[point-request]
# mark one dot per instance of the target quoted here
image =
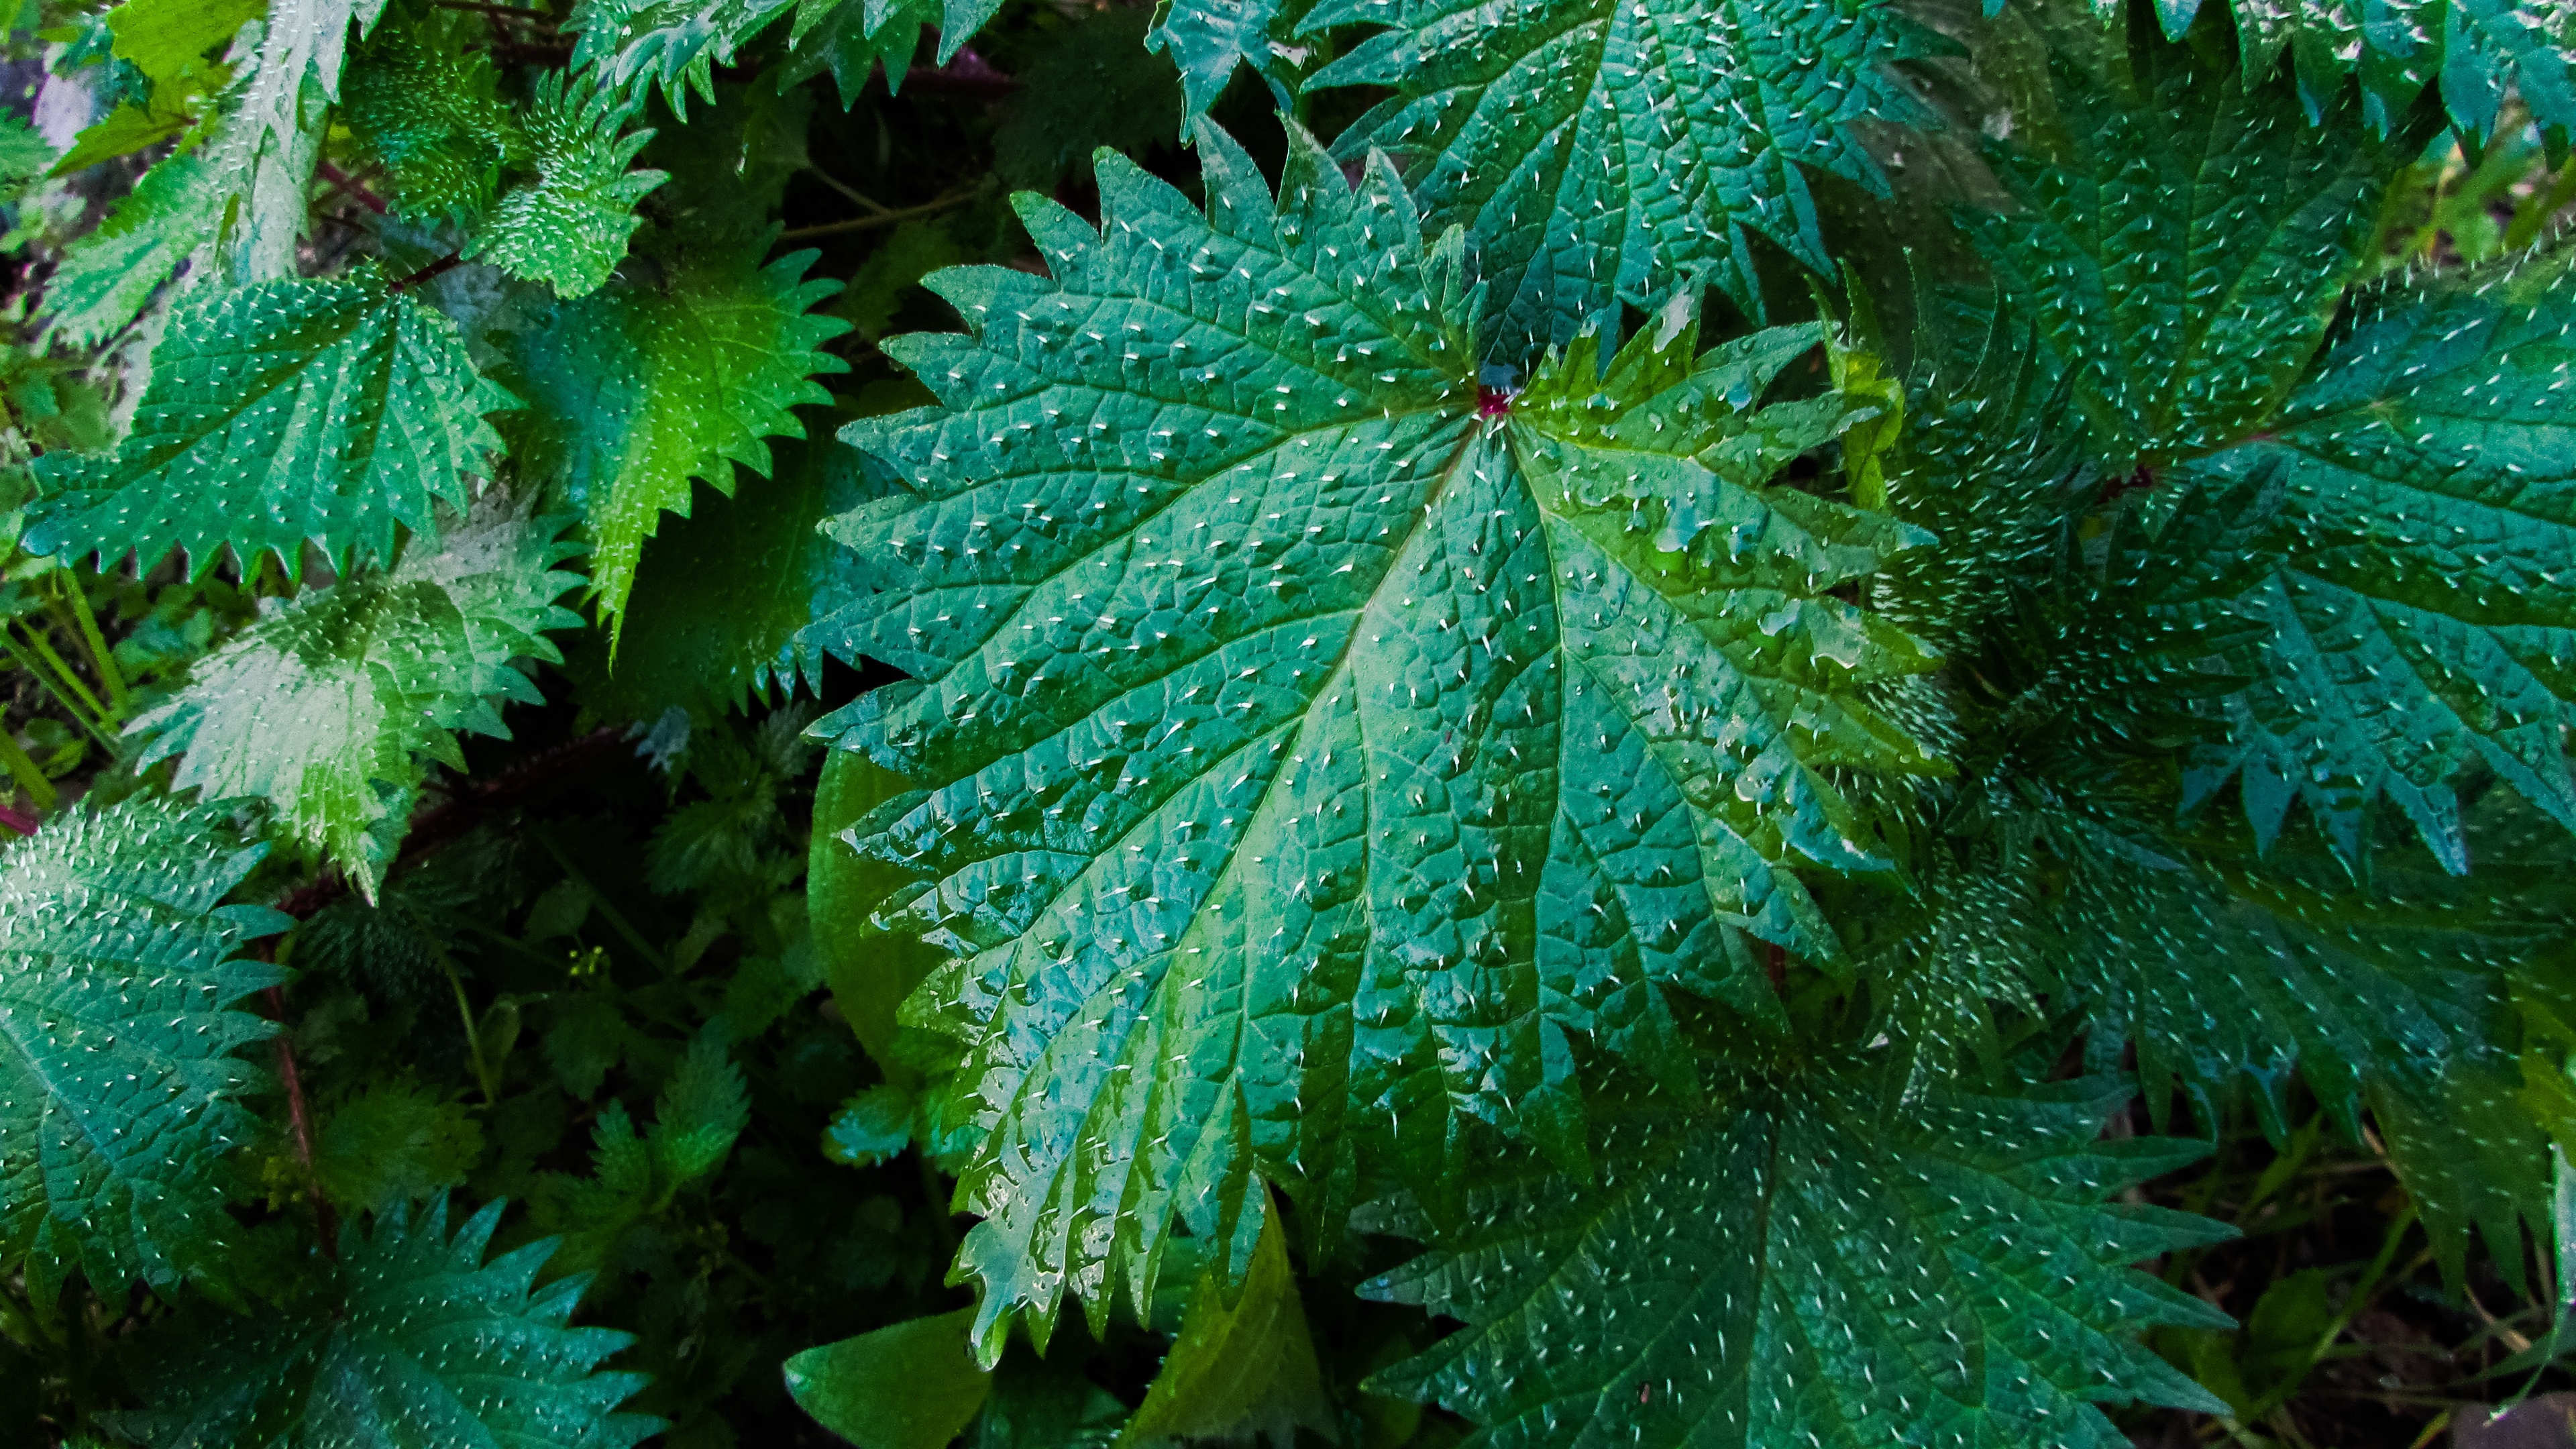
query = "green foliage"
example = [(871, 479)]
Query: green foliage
[(1618, 535), (909, 1386), (1601, 154), (121, 972), (1954, 1274), (634, 390), (402, 1340), (568, 227), (1805, 723), (333, 707), (280, 414)]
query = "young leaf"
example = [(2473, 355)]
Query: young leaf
[(2184, 248), (409, 1338), (394, 1143), (330, 412), (909, 1386), (568, 227), (332, 707), (1600, 151), (2384, 565), (425, 105), (1801, 1266), (120, 1068), (634, 390), (1301, 736), (1242, 1365)]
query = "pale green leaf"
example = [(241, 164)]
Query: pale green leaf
[(333, 707), (1242, 1366), (568, 227)]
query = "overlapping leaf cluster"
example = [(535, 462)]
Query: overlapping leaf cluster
[(1456, 652)]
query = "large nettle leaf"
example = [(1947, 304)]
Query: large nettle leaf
[(408, 1340), (1796, 1265), (2384, 565), (636, 389), (333, 707), (333, 412), (1308, 749), (116, 1045), (1596, 149)]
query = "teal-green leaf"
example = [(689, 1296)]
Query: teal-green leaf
[(333, 707), (1802, 1266), (329, 412), (1305, 740), (2181, 235), (409, 1340), (637, 388), (1600, 151), (911, 1386), (2384, 566), (423, 101), (120, 1067), (2476, 51)]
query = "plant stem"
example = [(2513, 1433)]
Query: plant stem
[(473, 1038), (101, 657), (599, 903), (521, 13), (23, 768), (70, 706), (299, 1117), (351, 186), (883, 218), (434, 270), (846, 189), (71, 681)]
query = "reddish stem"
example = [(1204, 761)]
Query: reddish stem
[(434, 270), (18, 821), (299, 1117), (356, 189)]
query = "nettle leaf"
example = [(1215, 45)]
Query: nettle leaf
[(568, 227), (117, 969), (333, 707), (409, 1339), (106, 278), (724, 598), (329, 412), (2477, 51), (636, 389), (1301, 739), (1800, 1265), (2180, 237), (2231, 972), (427, 107), (1599, 151), (1208, 39), (2384, 566), (677, 44)]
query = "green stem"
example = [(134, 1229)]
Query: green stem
[(23, 768), (71, 681), (599, 903), (70, 706), (99, 654), (473, 1038)]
